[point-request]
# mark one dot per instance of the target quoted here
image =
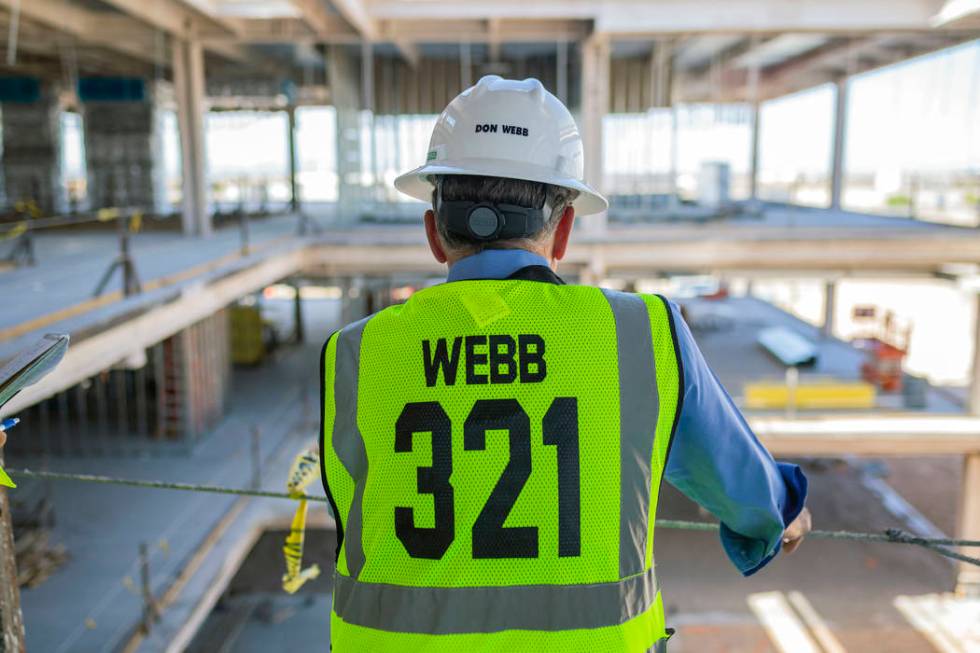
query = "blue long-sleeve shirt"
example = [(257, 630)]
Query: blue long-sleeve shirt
[(715, 458)]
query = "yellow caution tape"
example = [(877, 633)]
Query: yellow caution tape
[(104, 215), (135, 222), (305, 468), (15, 231), (29, 207), (5, 480)]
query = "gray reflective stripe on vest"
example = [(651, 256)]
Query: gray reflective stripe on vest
[(639, 404), (347, 440), (455, 610)]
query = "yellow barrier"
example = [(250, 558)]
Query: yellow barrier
[(816, 394), (104, 215)]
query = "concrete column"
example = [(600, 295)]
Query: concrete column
[(345, 96), (294, 199), (188, 67), (121, 153), (973, 404), (968, 579), (595, 105), (840, 142), (829, 305), (754, 156), (561, 71), (661, 73), (753, 99), (32, 151), (674, 199)]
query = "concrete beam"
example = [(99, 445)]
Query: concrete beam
[(956, 11), (627, 18), (174, 17), (182, 21), (653, 251), (91, 355), (869, 435), (355, 13), (409, 52), (476, 31), (314, 14), (88, 27)]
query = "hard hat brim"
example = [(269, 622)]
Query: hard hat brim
[(417, 183)]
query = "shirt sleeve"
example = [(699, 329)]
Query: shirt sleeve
[(717, 461)]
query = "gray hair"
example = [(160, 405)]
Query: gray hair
[(500, 190)]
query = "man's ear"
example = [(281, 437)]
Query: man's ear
[(562, 233), (432, 234)]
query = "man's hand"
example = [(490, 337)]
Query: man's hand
[(3, 437), (795, 532)]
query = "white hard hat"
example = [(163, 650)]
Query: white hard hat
[(506, 128)]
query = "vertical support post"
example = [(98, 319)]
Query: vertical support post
[(753, 98), (291, 139), (561, 71), (150, 611), (298, 330), (465, 65), (840, 137), (968, 579), (188, 65), (595, 105), (674, 199), (974, 400), (829, 306), (256, 457), (661, 72), (11, 619), (754, 156), (367, 105)]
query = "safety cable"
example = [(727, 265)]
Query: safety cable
[(890, 536)]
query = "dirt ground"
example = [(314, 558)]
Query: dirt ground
[(851, 586)]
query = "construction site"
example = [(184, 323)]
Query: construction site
[(198, 193)]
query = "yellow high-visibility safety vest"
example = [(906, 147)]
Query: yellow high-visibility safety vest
[(493, 451)]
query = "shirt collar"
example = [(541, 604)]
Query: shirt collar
[(493, 264)]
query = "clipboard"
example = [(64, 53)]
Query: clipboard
[(27, 368)]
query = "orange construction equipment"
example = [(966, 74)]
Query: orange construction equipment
[(886, 344)]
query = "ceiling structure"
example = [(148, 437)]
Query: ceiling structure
[(711, 51)]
